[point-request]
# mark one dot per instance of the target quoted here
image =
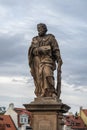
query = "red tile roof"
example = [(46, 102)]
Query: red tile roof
[(85, 111), (6, 123), (75, 122), (22, 111)]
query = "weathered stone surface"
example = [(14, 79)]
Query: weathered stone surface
[(47, 104), (47, 113), (44, 56)]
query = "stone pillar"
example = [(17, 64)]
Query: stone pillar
[(46, 113)]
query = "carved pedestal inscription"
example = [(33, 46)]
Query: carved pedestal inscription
[(44, 121), (45, 125)]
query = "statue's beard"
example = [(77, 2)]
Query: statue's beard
[(41, 33)]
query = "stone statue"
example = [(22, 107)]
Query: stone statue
[(44, 55)]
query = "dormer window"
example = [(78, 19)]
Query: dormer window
[(23, 119)]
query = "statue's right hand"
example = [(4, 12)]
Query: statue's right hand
[(40, 50)]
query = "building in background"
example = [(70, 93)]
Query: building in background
[(83, 115), (20, 116), (74, 122), (19, 119)]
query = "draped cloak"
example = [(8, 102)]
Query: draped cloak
[(43, 54)]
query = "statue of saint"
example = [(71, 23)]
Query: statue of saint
[(44, 55)]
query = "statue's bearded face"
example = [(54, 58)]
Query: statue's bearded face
[(41, 29)]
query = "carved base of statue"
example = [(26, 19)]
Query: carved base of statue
[(47, 113)]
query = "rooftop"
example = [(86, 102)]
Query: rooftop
[(74, 121), (22, 111), (6, 123)]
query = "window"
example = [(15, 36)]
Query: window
[(21, 119), (8, 125), (1, 118), (24, 119)]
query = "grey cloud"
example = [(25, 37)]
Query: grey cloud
[(26, 80), (74, 74), (6, 100), (12, 49), (66, 20), (16, 3), (74, 8), (74, 57), (14, 54)]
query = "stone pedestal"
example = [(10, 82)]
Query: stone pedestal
[(47, 113)]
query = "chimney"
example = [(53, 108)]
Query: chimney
[(80, 110), (11, 105)]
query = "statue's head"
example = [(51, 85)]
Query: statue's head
[(42, 29)]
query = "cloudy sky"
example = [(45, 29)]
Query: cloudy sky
[(67, 20)]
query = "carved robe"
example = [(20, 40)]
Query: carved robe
[(43, 54)]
